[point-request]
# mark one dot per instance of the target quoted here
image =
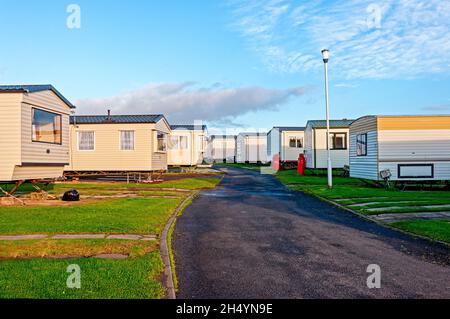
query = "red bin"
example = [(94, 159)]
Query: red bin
[(276, 162), (301, 164)]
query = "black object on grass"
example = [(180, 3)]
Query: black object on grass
[(71, 196)]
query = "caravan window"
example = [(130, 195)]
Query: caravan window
[(127, 140), (178, 142), (338, 141), (295, 142), (46, 127), (86, 141), (361, 145), (161, 142)]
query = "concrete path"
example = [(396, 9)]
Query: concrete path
[(382, 209), (253, 238), (391, 218)]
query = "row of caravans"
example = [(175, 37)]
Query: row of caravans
[(289, 142), (40, 138), (403, 147), (242, 148)]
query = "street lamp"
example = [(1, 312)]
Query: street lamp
[(326, 56)]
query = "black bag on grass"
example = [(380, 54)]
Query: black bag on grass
[(71, 196)]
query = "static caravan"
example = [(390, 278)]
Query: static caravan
[(187, 145), (287, 142), (118, 143), (410, 147), (316, 143), (251, 148), (221, 149), (34, 130)]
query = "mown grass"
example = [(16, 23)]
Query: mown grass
[(436, 229), (348, 191), (110, 188), (118, 216), (134, 278)]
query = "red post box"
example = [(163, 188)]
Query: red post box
[(301, 164)]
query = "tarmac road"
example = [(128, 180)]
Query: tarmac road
[(253, 238)]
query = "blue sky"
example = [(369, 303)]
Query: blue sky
[(243, 64)]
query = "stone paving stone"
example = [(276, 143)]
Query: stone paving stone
[(409, 216), (149, 237), (406, 207), (388, 203), (358, 198), (23, 237), (111, 256), (127, 237), (79, 236)]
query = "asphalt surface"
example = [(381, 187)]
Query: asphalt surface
[(253, 238)]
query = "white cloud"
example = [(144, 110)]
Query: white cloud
[(185, 102), (367, 39)]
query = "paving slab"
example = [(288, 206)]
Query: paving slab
[(384, 203), (359, 198), (381, 209), (23, 237), (79, 236), (391, 218), (127, 237)]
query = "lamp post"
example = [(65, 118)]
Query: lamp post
[(326, 56)]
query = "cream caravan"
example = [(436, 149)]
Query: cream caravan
[(187, 145), (34, 130), (118, 143)]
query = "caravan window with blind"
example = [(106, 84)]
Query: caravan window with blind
[(86, 141), (46, 127), (127, 140), (178, 142)]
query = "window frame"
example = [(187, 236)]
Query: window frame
[(157, 150), (297, 140), (78, 141), (333, 144), (134, 141), (60, 125), (358, 141)]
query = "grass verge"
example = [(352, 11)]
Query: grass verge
[(438, 229), (119, 216), (349, 191), (134, 278)]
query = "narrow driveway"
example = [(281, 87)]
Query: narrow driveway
[(252, 238)]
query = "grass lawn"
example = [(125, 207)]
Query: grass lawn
[(100, 279), (110, 188), (349, 191), (138, 276), (118, 216), (436, 229)]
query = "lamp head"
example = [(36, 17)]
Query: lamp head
[(325, 55)]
